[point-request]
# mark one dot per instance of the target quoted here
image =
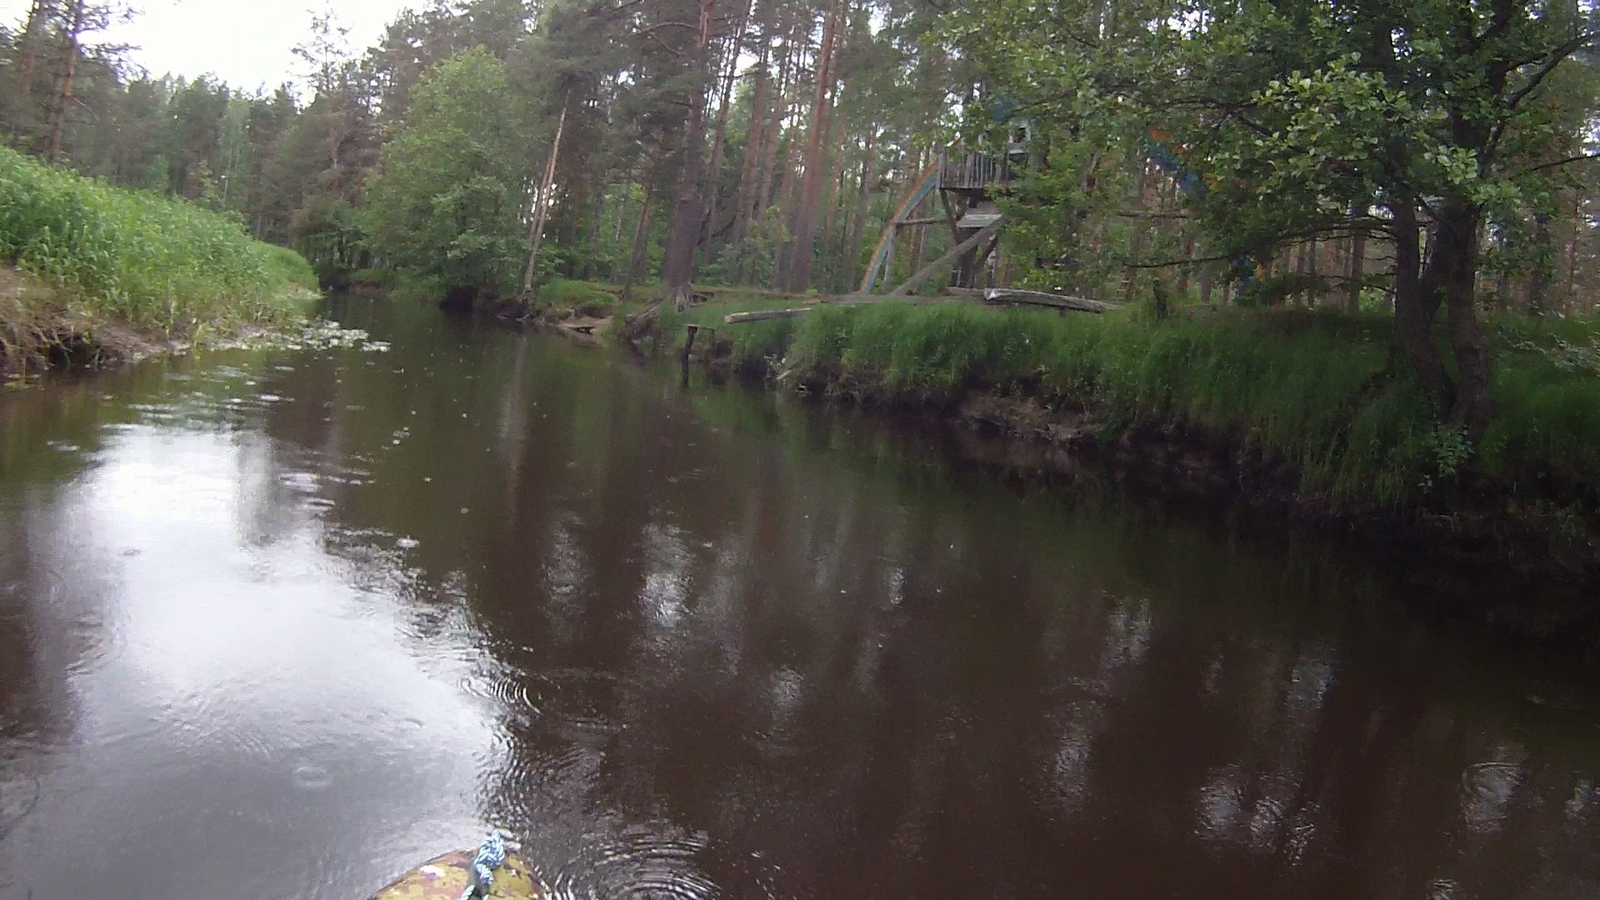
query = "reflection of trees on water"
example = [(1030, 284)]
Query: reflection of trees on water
[(35, 699), (53, 625), (807, 674)]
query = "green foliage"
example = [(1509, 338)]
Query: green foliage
[(1451, 450), (1287, 121), (1584, 358), (1548, 401), (159, 264), (1279, 288), (581, 297), (1313, 388), (289, 266), (446, 205)]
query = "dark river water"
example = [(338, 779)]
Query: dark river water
[(285, 624)]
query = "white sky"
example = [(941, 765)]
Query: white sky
[(246, 43)]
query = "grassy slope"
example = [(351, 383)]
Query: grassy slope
[(1312, 388), (100, 260)]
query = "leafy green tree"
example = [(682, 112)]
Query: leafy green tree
[(196, 111), (446, 206), (1429, 119)]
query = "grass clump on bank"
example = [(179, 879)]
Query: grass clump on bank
[(580, 298), (756, 347), (1314, 389), (1308, 389), (107, 258)]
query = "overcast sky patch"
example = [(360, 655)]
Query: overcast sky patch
[(247, 43)]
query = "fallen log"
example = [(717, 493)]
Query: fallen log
[(1054, 301), (957, 295), (869, 299), (841, 300), (767, 315)]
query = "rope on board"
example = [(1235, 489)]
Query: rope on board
[(491, 856)]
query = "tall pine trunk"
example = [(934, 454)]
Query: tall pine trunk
[(828, 238), (1544, 275), (1358, 265), (641, 235), (858, 229), (767, 165), (592, 267), (766, 175), (719, 139), (39, 16), (754, 143), (66, 82), (784, 175), (780, 173), (620, 218), (677, 266), (1572, 257), (803, 254)]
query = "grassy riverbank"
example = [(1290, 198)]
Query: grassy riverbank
[(98, 271), (1309, 397)]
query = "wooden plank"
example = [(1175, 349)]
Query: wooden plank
[(842, 300), (983, 258), (956, 295), (948, 259), (1054, 301), (865, 299), (767, 315)]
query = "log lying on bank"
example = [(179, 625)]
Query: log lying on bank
[(1053, 301), (767, 315), (842, 300), (996, 296)]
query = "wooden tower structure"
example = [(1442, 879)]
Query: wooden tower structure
[(966, 183)]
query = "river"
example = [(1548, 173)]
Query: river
[(285, 624)]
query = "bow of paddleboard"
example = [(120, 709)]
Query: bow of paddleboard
[(447, 878)]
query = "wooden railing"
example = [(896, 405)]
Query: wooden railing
[(972, 171)]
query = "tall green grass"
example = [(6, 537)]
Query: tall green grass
[(581, 297), (158, 264), (1315, 389), (1547, 400), (755, 345)]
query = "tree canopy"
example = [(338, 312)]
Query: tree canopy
[(445, 203)]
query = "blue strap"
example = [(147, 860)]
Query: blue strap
[(491, 856)]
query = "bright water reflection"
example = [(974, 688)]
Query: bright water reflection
[(286, 625)]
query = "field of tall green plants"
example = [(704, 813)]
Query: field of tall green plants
[(159, 265), (1316, 389)]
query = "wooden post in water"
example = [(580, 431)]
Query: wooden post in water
[(688, 346)]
